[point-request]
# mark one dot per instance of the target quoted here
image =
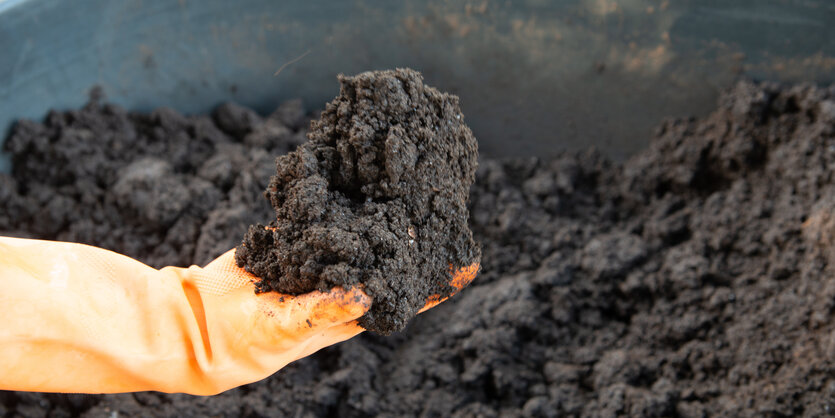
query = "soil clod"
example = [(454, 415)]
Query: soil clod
[(377, 197)]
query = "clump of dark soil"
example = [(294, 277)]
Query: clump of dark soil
[(377, 197), (161, 187), (693, 280)]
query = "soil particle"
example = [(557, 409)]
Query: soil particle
[(712, 294), (377, 197)]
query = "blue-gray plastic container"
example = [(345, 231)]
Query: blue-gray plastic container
[(535, 77)]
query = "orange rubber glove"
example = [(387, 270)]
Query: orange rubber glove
[(77, 318)]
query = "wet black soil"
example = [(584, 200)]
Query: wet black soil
[(693, 280), (377, 197)]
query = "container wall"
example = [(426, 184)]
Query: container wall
[(535, 77)]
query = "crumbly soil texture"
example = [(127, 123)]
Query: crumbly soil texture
[(376, 198), (695, 279)]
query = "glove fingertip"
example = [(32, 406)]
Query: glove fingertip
[(338, 305), (464, 276), (460, 279)]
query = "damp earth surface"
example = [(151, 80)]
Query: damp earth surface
[(694, 279)]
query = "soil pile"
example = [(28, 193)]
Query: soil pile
[(161, 187), (694, 280), (377, 196)]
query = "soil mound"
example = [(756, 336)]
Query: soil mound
[(377, 196), (693, 280)]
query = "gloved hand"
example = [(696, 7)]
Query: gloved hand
[(77, 318)]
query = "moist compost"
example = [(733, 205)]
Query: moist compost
[(693, 280), (376, 197)]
